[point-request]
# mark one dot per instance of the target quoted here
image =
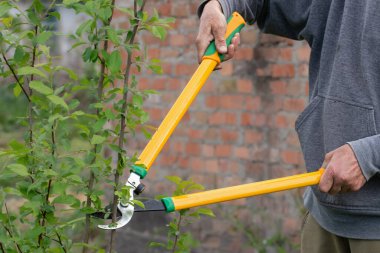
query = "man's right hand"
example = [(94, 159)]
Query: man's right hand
[(213, 26)]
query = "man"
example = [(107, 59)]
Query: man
[(339, 128)]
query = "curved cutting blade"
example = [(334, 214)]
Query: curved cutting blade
[(126, 216)]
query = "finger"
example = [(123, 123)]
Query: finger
[(327, 181), (329, 156), (335, 189), (202, 42), (219, 31), (232, 48)]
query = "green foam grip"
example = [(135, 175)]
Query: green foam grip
[(211, 49)]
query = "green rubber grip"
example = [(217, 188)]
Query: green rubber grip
[(141, 171), (169, 204), (234, 25)]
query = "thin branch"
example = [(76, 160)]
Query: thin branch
[(15, 76), (122, 122), (177, 234), (11, 236), (60, 242), (98, 111), (53, 154), (2, 248)]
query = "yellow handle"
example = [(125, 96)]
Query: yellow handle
[(175, 114), (181, 105), (246, 190)]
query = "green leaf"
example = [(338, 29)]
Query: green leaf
[(137, 100), (19, 54), (17, 90), (112, 35), (30, 71), (114, 62), (174, 179), (70, 72), (4, 8), (83, 27), (19, 169), (157, 244), (67, 199), (205, 211), (109, 114), (40, 87), (58, 101), (44, 36), (97, 139), (75, 179), (159, 32)]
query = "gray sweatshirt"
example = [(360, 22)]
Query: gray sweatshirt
[(344, 107)]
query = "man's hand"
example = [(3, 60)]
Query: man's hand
[(213, 26), (343, 173)]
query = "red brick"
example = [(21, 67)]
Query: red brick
[(223, 118), (294, 104), (212, 165), (193, 148), (253, 103), (253, 119), (282, 70), (252, 136), (274, 54), (242, 152), (227, 68), (291, 157), (208, 150), (169, 53), (223, 151), (178, 40), (164, 9), (184, 162), (196, 134), (244, 85), (212, 101), (154, 53), (303, 70), (303, 53), (199, 118), (185, 69), (244, 53), (278, 87), (228, 135), (281, 121), (232, 102), (180, 10)]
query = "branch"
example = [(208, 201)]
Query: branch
[(98, 111), (11, 236), (2, 248), (122, 121), (15, 76), (60, 242), (177, 234)]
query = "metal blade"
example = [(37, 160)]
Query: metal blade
[(151, 206)]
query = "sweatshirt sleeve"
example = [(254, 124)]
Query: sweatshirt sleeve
[(279, 17), (367, 152)]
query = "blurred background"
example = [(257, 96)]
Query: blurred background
[(240, 129)]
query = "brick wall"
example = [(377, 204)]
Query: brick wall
[(240, 129)]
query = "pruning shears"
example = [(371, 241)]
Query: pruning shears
[(170, 204)]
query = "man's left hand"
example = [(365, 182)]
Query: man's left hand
[(342, 172)]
